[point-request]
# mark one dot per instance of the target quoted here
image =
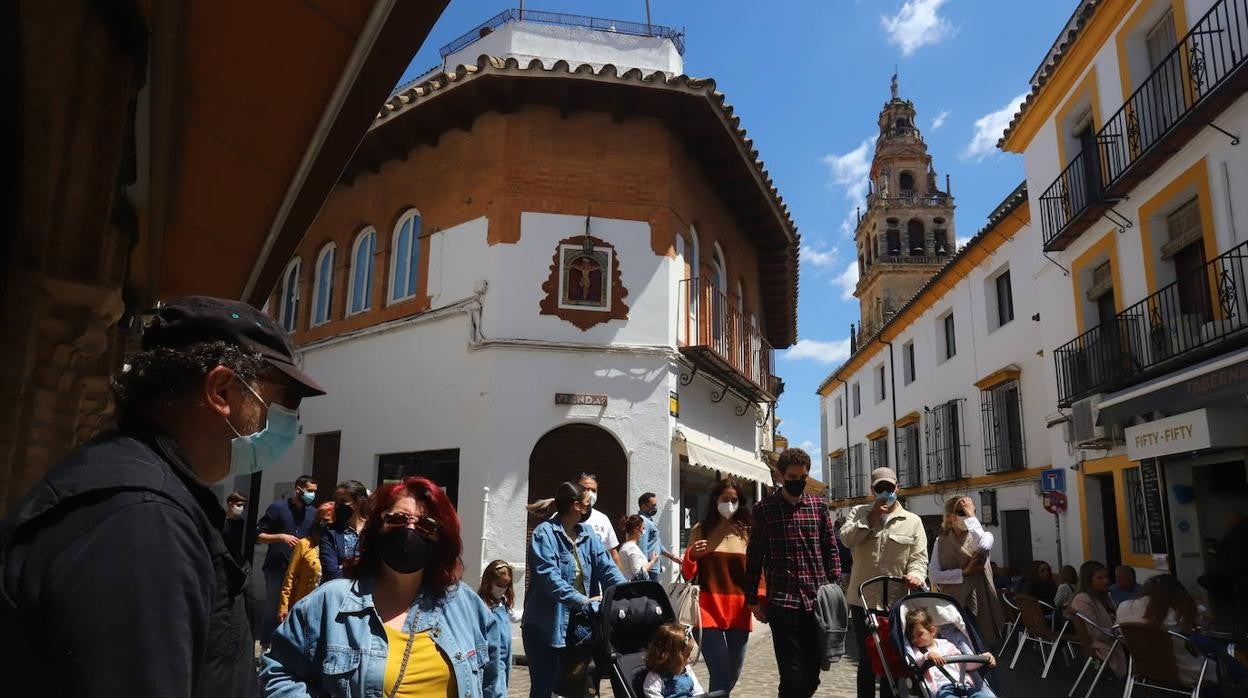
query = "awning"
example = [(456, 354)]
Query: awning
[(705, 452), (1215, 380)]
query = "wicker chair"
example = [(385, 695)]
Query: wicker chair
[(1011, 625), (1084, 627), (1036, 629), (1151, 660)]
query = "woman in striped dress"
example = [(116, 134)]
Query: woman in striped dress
[(716, 558)]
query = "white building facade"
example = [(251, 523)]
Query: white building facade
[(952, 394), (528, 272), (1130, 139)]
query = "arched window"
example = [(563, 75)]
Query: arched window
[(942, 242), (894, 242), (360, 293), (323, 286), (914, 237), (405, 257), (906, 182), (719, 300), (288, 305)]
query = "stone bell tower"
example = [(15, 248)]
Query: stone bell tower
[(905, 234)]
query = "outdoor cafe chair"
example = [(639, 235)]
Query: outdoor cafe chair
[(1084, 628), (1151, 659), (1011, 625), (1036, 629)]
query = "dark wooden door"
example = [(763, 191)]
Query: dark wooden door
[(563, 453), (1018, 551), (325, 449), (1193, 286), (1091, 171), (1109, 521)]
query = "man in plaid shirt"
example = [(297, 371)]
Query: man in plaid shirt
[(793, 539)]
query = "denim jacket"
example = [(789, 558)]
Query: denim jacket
[(334, 644), (552, 595)]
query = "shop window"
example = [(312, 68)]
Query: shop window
[(1137, 517)]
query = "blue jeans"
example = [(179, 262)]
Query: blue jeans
[(543, 662), (272, 596), (724, 651), (653, 574)]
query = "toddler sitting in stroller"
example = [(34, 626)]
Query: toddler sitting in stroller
[(667, 659), (941, 681)]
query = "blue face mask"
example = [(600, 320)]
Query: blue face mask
[(255, 452), (889, 498), (307, 497)]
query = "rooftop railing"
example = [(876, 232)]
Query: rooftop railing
[(616, 26)]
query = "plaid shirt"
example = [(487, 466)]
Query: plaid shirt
[(796, 545)]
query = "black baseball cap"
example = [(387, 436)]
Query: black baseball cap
[(196, 319)]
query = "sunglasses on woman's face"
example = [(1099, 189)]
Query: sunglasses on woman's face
[(424, 525)]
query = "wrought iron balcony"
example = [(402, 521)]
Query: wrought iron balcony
[(1203, 313), (1199, 78), (911, 199), (717, 337)]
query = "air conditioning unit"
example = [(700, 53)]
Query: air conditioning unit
[(1084, 431)]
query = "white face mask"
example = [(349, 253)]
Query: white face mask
[(237, 509), (499, 591), (727, 509), (593, 498)]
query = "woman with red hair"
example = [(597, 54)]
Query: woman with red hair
[(404, 625)]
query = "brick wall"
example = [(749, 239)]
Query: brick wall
[(530, 160)]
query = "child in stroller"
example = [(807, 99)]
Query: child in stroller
[(941, 665), (667, 659)]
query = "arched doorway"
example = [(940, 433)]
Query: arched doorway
[(563, 453)]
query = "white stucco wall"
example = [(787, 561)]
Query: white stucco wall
[(549, 43), (430, 382)]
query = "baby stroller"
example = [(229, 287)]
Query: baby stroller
[(953, 624), (631, 613)]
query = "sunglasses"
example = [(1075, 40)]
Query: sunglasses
[(884, 487), (426, 526)]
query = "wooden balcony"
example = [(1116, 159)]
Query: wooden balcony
[(717, 338)]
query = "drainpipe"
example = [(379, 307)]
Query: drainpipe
[(892, 387)]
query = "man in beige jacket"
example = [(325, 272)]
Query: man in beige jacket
[(884, 539)]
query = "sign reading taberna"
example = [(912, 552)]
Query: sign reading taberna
[(1183, 433), (580, 399)]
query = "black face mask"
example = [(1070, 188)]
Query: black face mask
[(404, 550), (795, 487), (343, 511), (650, 512)]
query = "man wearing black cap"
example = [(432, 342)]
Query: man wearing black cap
[(116, 579)]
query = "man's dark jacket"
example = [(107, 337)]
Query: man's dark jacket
[(117, 582)]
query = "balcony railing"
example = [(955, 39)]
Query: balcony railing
[(1196, 316), (1191, 85), (1201, 63), (715, 332), (912, 199), (1073, 199), (912, 259), (562, 19)]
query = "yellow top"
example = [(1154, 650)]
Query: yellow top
[(428, 670), (302, 574)]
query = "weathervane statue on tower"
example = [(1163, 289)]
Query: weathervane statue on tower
[(894, 85)]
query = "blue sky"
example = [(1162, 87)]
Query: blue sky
[(808, 80)]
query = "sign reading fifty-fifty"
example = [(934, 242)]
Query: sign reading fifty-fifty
[(579, 399)]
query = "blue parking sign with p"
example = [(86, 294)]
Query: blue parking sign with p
[(1053, 480)]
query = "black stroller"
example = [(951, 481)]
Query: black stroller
[(631, 613), (954, 625)]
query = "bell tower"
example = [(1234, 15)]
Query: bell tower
[(906, 233)]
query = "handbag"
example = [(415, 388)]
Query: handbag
[(684, 598)]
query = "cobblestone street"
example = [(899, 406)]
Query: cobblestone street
[(759, 678)]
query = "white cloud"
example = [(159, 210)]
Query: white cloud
[(940, 119), (812, 450), (818, 258), (848, 280), (918, 23), (989, 128), (961, 242), (818, 351), (848, 173)]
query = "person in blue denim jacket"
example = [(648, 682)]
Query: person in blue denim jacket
[(404, 626), (566, 558)]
